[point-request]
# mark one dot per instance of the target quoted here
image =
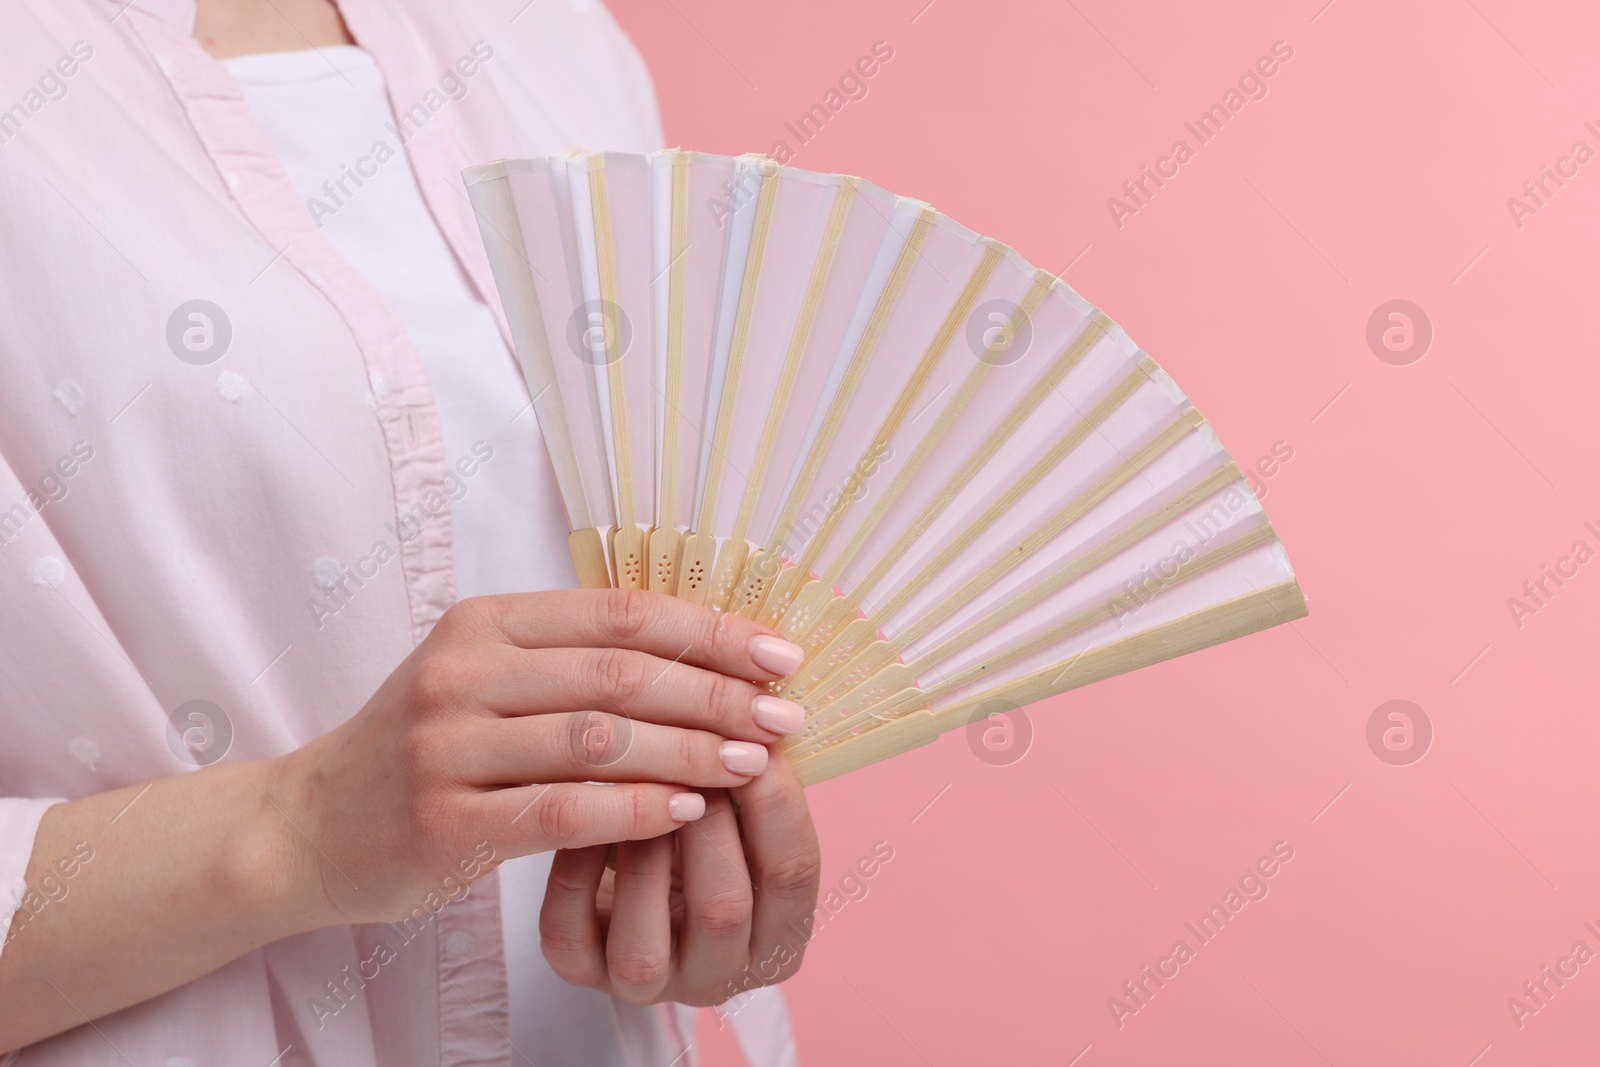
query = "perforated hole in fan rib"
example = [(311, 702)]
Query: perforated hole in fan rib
[(665, 565), (807, 680), (631, 568), (725, 586), (813, 726), (695, 576), (751, 592), (797, 622), (873, 695), (857, 675), (824, 633)]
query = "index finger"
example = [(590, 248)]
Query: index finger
[(663, 626)]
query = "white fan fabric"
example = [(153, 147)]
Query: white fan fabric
[(800, 398)]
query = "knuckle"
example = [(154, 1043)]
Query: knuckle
[(641, 814), (693, 756), (561, 946), (641, 970), (625, 613), (434, 819), (795, 874), (436, 680), (421, 751), (462, 617), (560, 815), (561, 939), (728, 701), (569, 956), (716, 635), (724, 912), (450, 622), (596, 739), (619, 675)]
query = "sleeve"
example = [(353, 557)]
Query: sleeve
[(19, 827), (52, 675)]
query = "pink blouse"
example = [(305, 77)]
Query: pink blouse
[(224, 503)]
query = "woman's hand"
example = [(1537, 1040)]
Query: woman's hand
[(697, 917), (479, 746), (476, 749)]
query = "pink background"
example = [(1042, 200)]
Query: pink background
[(1378, 167)]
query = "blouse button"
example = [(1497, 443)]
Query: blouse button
[(50, 571), (458, 943), (326, 572), (84, 751), (232, 386), (70, 395)]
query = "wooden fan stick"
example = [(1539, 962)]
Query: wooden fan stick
[(1179, 427), (666, 543), (846, 655), (818, 599), (700, 547), (763, 566), (735, 552), (864, 651), (908, 393), (801, 618), (846, 604), (786, 583), (828, 622), (507, 253), (887, 696), (1112, 546), (628, 541), (1213, 625)]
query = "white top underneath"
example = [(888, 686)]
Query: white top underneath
[(327, 113)]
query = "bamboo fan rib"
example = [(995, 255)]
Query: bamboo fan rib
[(801, 399), (670, 230), (701, 549)]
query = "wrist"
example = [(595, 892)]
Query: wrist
[(272, 868)]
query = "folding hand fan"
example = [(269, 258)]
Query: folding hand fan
[(801, 399)]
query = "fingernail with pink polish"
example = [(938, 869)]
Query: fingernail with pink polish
[(686, 807), (740, 757), (776, 655), (778, 715)]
